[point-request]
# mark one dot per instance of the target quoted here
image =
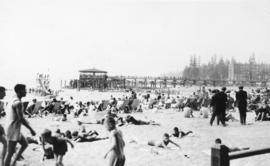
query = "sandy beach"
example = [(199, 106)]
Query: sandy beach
[(253, 136), (195, 148)]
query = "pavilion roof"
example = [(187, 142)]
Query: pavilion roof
[(92, 70)]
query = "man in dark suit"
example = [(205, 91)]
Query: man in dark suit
[(241, 100), (213, 104), (222, 100)]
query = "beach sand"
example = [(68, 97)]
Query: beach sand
[(253, 136), (194, 148)]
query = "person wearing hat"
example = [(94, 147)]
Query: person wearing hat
[(241, 100)]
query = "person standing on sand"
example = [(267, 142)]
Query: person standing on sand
[(116, 150), (241, 100), (15, 120), (3, 139), (213, 104), (221, 105)]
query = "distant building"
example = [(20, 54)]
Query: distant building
[(250, 71), (93, 78)]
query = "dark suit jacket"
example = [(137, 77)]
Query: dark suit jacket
[(219, 101), (222, 100), (241, 98)]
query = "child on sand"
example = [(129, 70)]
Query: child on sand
[(91, 136), (131, 120), (116, 150), (59, 145), (164, 143), (179, 134)]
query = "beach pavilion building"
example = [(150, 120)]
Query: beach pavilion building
[(93, 78)]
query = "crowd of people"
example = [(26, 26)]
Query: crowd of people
[(212, 102), (13, 135)]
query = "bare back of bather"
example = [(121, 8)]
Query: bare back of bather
[(119, 148), (117, 156), (14, 123)]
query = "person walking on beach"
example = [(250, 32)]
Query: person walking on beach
[(241, 101), (222, 100), (219, 103), (3, 139), (15, 120), (116, 149), (213, 104)]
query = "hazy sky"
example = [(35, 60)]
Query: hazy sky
[(126, 37)]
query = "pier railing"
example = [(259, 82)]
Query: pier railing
[(220, 155)]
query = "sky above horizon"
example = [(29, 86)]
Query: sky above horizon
[(126, 37)]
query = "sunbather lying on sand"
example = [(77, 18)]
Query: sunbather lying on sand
[(101, 121), (160, 144), (90, 136), (164, 143), (98, 121), (179, 134), (131, 120)]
